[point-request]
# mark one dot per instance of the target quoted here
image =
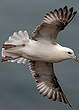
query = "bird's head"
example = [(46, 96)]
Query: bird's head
[(69, 54)]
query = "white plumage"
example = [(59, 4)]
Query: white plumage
[(41, 51)]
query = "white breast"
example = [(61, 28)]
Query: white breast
[(43, 51)]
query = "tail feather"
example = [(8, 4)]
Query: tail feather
[(9, 58), (19, 60), (15, 42), (18, 38), (7, 46)]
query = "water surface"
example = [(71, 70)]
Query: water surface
[(17, 87)]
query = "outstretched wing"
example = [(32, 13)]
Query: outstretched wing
[(53, 22), (46, 81)]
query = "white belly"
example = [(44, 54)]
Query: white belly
[(40, 51)]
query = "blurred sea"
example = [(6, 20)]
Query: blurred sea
[(17, 87)]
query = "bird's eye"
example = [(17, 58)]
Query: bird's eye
[(69, 53)]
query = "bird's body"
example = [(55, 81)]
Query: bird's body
[(42, 51)]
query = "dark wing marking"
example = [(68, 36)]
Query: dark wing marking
[(53, 22), (46, 81)]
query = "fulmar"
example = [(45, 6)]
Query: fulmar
[(42, 51)]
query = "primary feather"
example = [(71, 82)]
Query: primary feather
[(53, 23)]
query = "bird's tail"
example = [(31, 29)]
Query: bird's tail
[(10, 48)]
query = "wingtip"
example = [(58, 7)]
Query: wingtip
[(70, 105), (75, 12), (67, 102), (71, 9), (65, 6)]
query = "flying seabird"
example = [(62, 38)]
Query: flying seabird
[(42, 50)]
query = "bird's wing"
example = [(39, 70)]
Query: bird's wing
[(52, 23), (46, 81)]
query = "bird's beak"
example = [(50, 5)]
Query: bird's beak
[(75, 58)]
